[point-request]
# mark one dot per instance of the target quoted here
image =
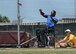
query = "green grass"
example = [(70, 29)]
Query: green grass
[(37, 51)]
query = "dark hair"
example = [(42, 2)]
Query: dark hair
[(53, 11)]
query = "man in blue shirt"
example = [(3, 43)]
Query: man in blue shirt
[(51, 21)]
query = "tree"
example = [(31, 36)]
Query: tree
[(5, 19), (0, 18)]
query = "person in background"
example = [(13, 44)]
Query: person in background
[(68, 41)]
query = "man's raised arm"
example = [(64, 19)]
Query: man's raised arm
[(42, 13)]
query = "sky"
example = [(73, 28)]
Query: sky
[(29, 10)]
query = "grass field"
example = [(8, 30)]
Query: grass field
[(36, 51)]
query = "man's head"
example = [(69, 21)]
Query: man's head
[(67, 31), (53, 13)]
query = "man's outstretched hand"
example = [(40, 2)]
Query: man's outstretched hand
[(40, 10)]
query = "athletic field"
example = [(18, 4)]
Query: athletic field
[(37, 51)]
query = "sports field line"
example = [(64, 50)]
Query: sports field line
[(37, 49)]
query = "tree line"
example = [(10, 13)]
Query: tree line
[(4, 19)]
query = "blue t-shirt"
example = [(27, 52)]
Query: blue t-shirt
[(50, 22)]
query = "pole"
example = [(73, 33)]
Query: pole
[(18, 16), (33, 29), (75, 8)]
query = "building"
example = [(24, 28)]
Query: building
[(31, 27), (69, 20)]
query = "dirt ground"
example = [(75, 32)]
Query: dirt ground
[(37, 49)]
